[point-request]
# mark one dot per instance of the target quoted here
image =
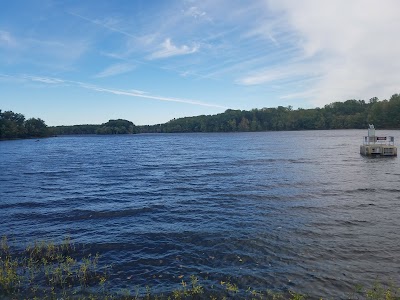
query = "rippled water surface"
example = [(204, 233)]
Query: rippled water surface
[(277, 210)]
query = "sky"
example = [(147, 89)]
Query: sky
[(149, 61)]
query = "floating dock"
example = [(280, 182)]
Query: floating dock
[(378, 145)]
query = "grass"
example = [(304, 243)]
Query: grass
[(44, 270)]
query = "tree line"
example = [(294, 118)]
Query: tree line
[(14, 126), (351, 114)]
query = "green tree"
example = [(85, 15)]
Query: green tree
[(378, 114), (244, 125), (12, 125), (393, 111), (119, 126), (36, 127)]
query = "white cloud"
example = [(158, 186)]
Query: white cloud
[(168, 49), (116, 69), (354, 45)]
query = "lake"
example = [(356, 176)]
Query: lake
[(278, 210)]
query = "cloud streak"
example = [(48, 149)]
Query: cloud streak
[(47, 80), (92, 87), (146, 96), (105, 24)]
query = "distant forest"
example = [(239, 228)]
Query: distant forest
[(14, 126), (351, 114)]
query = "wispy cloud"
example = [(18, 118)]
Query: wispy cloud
[(168, 49), (116, 69), (129, 93), (148, 42), (46, 52), (197, 13), (289, 72), (264, 77), (7, 40)]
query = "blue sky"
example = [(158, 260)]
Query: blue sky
[(85, 62)]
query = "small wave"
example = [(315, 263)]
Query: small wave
[(373, 190), (260, 161), (353, 222), (81, 214), (22, 205), (366, 205), (76, 215), (361, 190), (391, 190)]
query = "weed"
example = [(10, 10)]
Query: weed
[(45, 270)]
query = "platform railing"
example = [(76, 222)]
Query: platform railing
[(381, 140)]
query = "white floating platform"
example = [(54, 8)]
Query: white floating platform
[(378, 145), (375, 150)]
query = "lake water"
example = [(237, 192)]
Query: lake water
[(278, 210)]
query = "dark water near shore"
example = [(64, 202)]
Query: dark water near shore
[(278, 210)]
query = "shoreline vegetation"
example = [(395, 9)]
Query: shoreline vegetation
[(45, 270), (351, 114)]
